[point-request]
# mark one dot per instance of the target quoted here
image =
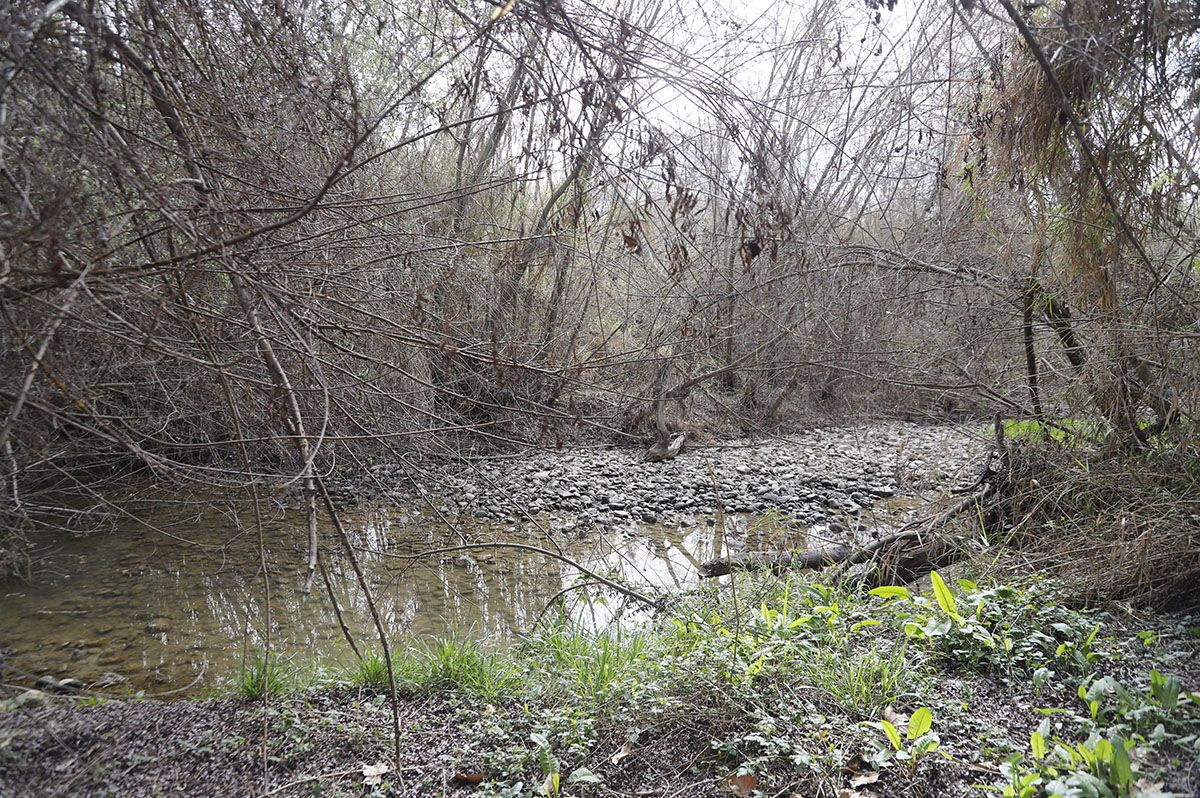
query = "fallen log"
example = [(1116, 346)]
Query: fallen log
[(903, 557), (773, 560), (666, 451)]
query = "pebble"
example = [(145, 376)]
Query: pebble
[(815, 475), (31, 698), (109, 679)]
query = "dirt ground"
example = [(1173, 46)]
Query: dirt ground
[(319, 745)]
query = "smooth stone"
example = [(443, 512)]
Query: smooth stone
[(31, 698)]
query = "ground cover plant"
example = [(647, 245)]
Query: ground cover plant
[(775, 684)]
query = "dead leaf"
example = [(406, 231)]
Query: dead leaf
[(373, 774), (621, 753), (897, 719), (865, 778), (504, 9), (739, 784), (847, 792), (855, 764), (468, 778)]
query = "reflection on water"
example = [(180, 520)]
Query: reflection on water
[(174, 598)]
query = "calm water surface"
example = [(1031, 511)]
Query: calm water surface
[(173, 599)]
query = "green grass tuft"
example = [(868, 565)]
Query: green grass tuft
[(864, 682), (464, 663), (263, 676), (371, 672), (590, 665)]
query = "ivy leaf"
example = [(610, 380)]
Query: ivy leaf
[(583, 776)]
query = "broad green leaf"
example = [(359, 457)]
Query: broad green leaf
[(941, 592), (890, 592), (1120, 769), (864, 624), (1165, 689), (920, 722), (1037, 743), (892, 733), (546, 759)]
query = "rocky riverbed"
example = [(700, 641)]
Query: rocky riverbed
[(808, 477)]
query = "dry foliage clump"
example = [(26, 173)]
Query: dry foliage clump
[(1114, 528)]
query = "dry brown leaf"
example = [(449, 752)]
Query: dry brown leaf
[(846, 792), (468, 778), (855, 764), (373, 774), (739, 784), (504, 9), (621, 753), (897, 719), (865, 778)]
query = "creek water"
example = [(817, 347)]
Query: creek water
[(171, 600), (173, 597)]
